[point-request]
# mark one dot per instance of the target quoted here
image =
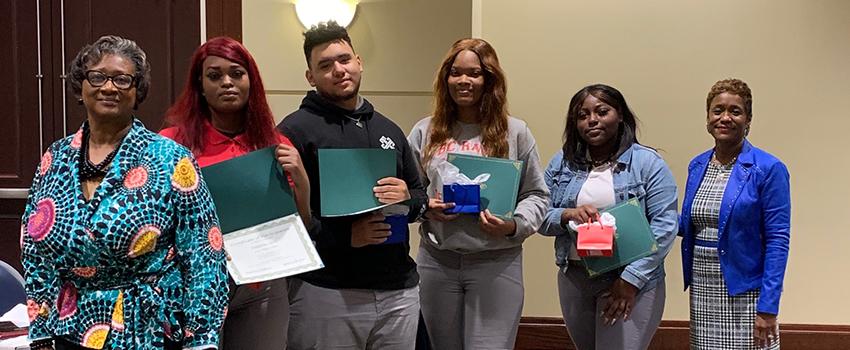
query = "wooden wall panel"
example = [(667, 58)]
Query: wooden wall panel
[(224, 18), (549, 333), (168, 31)]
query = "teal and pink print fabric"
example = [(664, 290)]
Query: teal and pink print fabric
[(139, 262)]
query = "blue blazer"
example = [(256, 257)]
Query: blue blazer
[(754, 224)]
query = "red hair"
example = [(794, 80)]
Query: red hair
[(191, 110)]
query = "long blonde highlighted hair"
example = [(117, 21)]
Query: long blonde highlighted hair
[(492, 107)]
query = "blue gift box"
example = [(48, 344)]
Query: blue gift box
[(467, 198), (398, 229)]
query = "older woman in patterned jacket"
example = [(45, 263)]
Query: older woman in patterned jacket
[(121, 246)]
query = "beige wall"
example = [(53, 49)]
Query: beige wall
[(663, 55), (401, 43)]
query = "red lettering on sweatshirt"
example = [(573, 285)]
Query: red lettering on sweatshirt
[(468, 146)]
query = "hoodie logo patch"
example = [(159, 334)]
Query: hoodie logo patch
[(387, 143)]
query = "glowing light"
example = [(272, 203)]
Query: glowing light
[(313, 12)]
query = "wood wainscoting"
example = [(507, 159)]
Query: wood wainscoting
[(549, 333)]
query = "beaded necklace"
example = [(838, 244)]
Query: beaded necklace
[(89, 170)]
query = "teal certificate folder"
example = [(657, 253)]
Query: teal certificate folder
[(632, 240), (500, 191), (347, 177), (249, 190), (264, 236)]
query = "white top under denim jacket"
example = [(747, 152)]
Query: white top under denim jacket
[(640, 173)]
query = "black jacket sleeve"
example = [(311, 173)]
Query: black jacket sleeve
[(418, 196), (321, 229)]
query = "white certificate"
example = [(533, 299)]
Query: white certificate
[(271, 250)]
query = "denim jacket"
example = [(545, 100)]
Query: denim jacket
[(754, 225), (640, 173)]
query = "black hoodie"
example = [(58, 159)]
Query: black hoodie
[(320, 124)]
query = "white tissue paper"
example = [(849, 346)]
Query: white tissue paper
[(17, 315), (450, 174), (606, 219), (395, 209)]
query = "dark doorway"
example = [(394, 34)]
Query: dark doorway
[(37, 40)]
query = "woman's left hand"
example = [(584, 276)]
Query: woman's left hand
[(620, 299), (766, 330), (290, 160), (494, 225)]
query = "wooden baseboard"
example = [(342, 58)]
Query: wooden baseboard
[(549, 333)]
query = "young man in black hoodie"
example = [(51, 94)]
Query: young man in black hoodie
[(367, 296)]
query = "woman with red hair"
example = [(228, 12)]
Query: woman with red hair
[(221, 114)]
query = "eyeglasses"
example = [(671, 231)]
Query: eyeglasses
[(121, 81)]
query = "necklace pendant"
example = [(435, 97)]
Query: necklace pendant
[(358, 123)]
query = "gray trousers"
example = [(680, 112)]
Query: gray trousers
[(257, 318), (323, 318), (582, 308), (471, 301)]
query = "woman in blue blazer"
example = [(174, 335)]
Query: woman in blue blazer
[(735, 223)]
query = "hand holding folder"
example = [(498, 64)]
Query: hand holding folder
[(633, 239), (386, 226), (249, 190), (263, 234), (499, 193), (348, 177)]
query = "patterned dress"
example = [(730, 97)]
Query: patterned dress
[(718, 321), (140, 261)]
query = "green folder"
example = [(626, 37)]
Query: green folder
[(249, 190), (347, 177), (632, 240), (498, 193)]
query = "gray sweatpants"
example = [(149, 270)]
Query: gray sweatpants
[(471, 301), (257, 318), (323, 318), (582, 308)]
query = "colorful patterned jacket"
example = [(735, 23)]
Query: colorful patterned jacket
[(140, 261)]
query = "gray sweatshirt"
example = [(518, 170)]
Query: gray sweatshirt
[(463, 234)]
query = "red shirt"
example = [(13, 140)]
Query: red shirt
[(219, 147)]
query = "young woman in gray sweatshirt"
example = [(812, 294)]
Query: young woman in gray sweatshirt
[(470, 265)]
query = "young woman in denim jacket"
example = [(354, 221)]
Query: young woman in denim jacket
[(602, 164)]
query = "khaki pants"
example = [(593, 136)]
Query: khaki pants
[(361, 319)]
